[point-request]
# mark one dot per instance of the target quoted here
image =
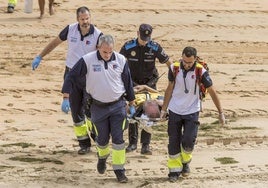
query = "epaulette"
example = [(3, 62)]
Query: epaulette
[(130, 44), (153, 45)]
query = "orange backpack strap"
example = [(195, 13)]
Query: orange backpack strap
[(198, 73), (176, 69)]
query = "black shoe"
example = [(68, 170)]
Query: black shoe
[(173, 176), (120, 175), (145, 149), (131, 147), (84, 151), (185, 170), (101, 166), (10, 9)]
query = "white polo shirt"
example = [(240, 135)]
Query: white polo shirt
[(105, 84), (78, 45), (185, 103)]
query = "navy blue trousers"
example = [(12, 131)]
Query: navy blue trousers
[(182, 131)]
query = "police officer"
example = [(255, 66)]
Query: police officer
[(183, 103), (82, 37), (108, 81), (141, 54)]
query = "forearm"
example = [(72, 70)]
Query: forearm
[(150, 89), (50, 47), (142, 88), (168, 63), (215, 99), (168, 94)]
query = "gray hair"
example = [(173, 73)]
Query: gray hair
[(107, 39)]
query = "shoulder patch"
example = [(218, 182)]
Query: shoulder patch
[(130, 44), (153, 45)]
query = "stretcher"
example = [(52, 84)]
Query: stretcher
[(146, 123)]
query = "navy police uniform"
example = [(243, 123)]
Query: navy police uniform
[(141, 61)]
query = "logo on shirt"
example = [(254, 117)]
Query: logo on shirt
[(96, 68), (88, 42), (115, 66), (132, 53), (73, 39), (163, 53)]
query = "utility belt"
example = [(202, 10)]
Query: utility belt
[(99, 103), (151, 81)]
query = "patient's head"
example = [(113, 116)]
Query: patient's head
[(151, 109)]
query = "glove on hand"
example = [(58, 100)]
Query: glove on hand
[(132, 110), (36, 62), (65, 106)]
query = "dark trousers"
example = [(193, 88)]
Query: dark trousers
[(112, 126), (182, 132), (80, 108), (133, 127), (133, 135)]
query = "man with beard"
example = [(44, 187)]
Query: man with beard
[(183, 101), (82, 38)]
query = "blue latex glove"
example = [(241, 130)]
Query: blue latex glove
[(65, 106), (36, 62), (132, 111)]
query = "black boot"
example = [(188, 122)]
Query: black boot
[(146, 149), (132, 137), (173, 176), (84, 146), (185, 170), (101, 166), (120, 175)]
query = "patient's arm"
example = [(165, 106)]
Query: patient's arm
[(140, 88)]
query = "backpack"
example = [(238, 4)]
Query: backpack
[(200, 63)]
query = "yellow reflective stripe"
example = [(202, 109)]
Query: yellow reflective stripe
[(80, 130), (89, 124), (118, 155), (186, 156), (12, 2), (103, 151), (174, 163), (95, 129), (124, 124)]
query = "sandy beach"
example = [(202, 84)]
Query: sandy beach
[(38, 147)]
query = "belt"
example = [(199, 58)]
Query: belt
[(99, 103)]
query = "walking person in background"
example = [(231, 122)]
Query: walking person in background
[(42, 7), (11, 5), (82, 37), (182, 100), (108, 82), (141, 54)]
